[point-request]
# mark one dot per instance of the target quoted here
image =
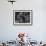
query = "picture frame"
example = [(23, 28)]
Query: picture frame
[(22, 17)]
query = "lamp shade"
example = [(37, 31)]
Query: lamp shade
[(12, 1)]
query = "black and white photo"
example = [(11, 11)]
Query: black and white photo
[(22, 16)]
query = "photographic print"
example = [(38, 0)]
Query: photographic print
[(22, 17)]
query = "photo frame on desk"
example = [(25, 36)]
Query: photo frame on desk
[(22, 17)]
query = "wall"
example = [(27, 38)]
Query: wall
[(37, 31)]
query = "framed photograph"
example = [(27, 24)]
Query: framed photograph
[(22, 17)]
